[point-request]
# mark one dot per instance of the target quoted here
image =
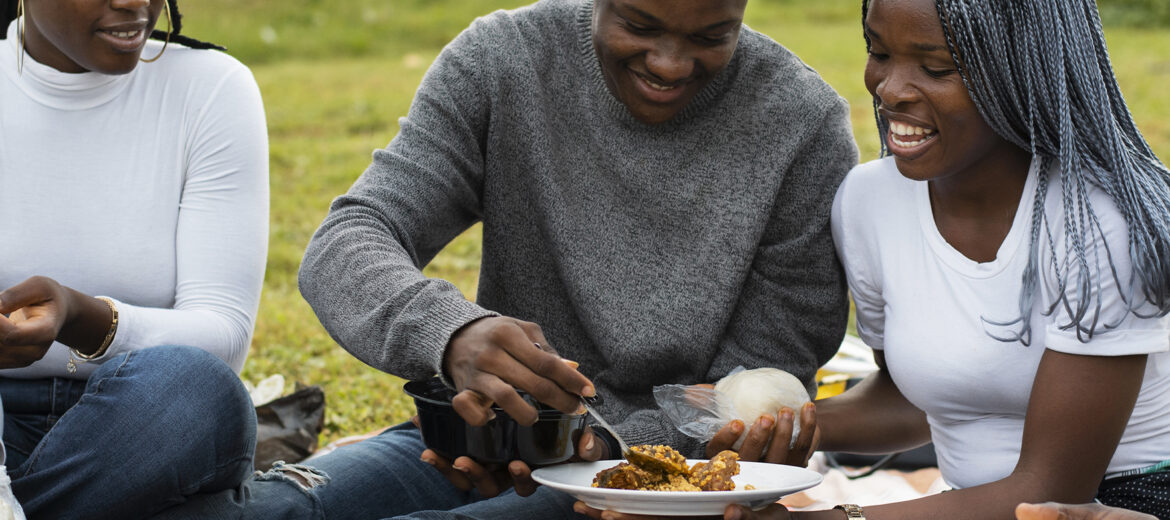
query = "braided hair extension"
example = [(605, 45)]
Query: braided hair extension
[(8, 14), (1040, 75), (176, 26)]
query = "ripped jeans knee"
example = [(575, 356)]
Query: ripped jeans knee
[(305, 477)]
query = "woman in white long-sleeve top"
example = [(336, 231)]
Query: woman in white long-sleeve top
[(134, 202)]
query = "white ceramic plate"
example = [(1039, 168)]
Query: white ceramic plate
[(771, 482)]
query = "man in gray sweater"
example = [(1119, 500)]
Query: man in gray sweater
[(654, 182)]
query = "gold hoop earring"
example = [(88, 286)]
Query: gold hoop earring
[(170, 27), (20, 37)]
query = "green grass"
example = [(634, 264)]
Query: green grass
[(337, 74)]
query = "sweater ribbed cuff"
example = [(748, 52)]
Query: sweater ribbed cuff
[(445, 318)]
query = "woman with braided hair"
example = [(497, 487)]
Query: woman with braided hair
[(1010, 264), (134, 199)]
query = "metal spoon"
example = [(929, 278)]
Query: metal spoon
[(601, 420), (637, 457)]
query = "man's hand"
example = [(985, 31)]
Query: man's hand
[(768, 439), (488, 359), (465, 474), (1055, 511)]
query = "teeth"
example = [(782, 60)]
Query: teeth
[(909, 144), (124, 34), (908, 130), (911, 136), (656, 86)]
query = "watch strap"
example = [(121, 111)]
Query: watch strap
[(852, 511)]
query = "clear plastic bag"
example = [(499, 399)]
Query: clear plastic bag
[(9, 508), (700, 412), (287, 427)]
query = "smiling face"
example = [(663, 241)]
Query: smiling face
[(104, 36), (935, 130), (656, 55)]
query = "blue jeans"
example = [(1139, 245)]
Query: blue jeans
[(147, 429), (381, 477)]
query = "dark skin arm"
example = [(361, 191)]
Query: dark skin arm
[(874, 406), (39, 311), (1078, 411)]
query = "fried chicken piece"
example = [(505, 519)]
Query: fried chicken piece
[(715, 474), (625, 476), (658, 458)]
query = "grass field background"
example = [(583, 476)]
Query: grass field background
[(337, 74)]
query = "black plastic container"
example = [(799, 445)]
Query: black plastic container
[(552, 439)]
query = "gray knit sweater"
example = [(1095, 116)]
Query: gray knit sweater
[(649, 254)]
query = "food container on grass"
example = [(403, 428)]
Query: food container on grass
[(552, 439)]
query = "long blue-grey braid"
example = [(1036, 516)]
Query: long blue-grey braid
[(8, 14), (1040, 75)]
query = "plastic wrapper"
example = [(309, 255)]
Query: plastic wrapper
[(700, 412), (9, 508), (287, 427)]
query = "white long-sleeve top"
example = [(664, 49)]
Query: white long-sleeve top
[(150, 188)]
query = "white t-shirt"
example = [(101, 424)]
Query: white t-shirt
[(924, 303), (150, 188)]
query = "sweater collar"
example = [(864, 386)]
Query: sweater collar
[(53, 88), (614, 107)]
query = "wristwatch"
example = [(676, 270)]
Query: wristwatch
[(852, 511)]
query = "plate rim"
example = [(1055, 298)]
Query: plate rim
[(639, 495)]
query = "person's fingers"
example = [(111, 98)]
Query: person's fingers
[(473, 407), (485, 481), (24, 341), (590, 447), (1046, 511), (495, 356), (477, 359), (22, 330), (536, 336), (736, 512), (20, 356), (816, 444), (522, 480), (757, 438), (725, 438), (7, 327), (778, 450), (457, 478), (580, 508), (505, 396), (739, 512), (808, 439), (513, 361), (29, 292), (547, 377)]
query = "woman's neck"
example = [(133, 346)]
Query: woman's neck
[(974, 211)]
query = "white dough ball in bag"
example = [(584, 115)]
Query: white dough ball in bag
[(763, 391)]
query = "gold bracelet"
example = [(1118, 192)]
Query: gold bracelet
[(76, 357)]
